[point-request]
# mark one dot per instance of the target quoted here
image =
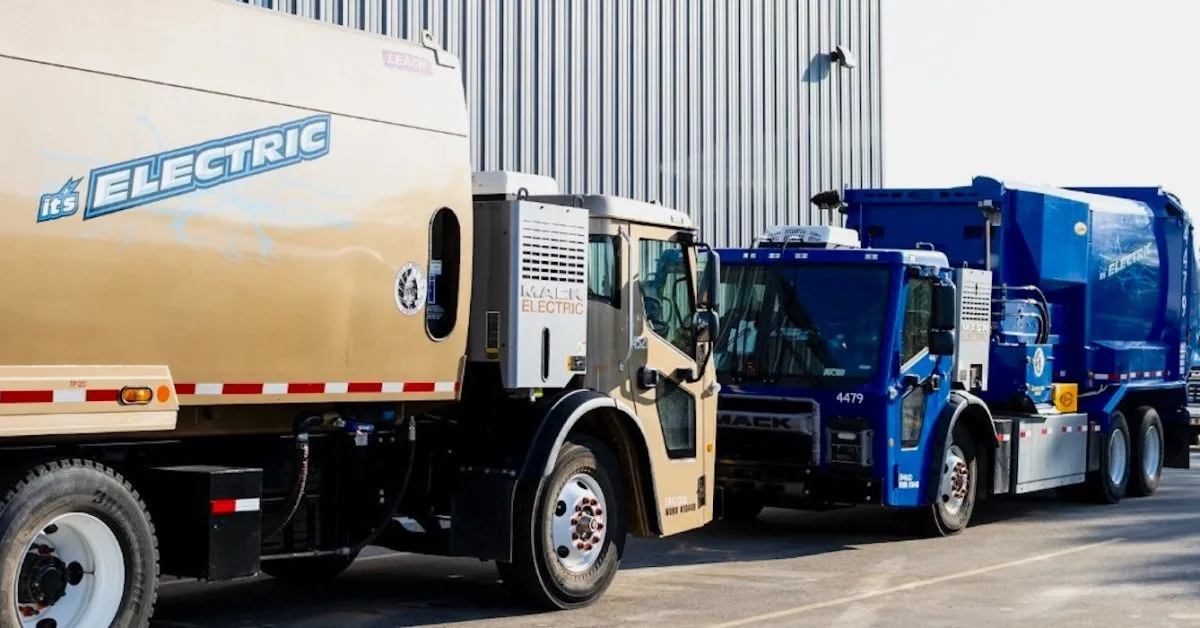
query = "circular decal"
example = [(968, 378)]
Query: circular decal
[(1039, 362), (410, 289), (1080, 229)]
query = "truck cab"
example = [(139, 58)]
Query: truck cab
[(823, 340)]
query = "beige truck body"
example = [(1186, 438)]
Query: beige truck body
[(239, 254)]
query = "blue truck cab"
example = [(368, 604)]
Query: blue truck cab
[(953, 344)]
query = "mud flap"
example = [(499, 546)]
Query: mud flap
[(481, 513), (1177, 440)]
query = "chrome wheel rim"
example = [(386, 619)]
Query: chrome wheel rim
[(578, 525), (1118, 457)]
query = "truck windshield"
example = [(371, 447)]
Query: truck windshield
[(802, 325)]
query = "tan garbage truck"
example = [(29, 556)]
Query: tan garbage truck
[(259, 313)]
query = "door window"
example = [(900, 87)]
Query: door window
[(667, 293), (918, 312), (603, 260)]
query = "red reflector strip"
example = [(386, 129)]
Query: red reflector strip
[(313, 388), (26, 396), (103, 395), (230, 506), (66, 395)]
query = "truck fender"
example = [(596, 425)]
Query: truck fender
[(564, 416), (964, 406)]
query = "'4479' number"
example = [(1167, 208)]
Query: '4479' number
[(850, 397)]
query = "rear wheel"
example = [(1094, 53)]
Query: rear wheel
[(76, 549), (569, 530), (957, 485), (1145, 467), (1107, 484)]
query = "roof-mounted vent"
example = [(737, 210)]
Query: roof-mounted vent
[(808, 237)]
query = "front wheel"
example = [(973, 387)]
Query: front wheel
[(957, 486), (76, 549), (570, 531)]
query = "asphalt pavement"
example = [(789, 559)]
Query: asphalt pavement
[(1029, 561)]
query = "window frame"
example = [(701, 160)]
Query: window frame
[(614, 298), (905, 332), (691, 352)]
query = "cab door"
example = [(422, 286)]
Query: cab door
[(924, 389), (679, 415)]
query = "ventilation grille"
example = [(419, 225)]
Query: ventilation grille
[(976, 302), (553, 252)]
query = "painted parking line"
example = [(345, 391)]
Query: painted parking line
[(797, 610)]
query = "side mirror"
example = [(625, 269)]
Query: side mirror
[(941, 342), (707, 325), (709, 286), (945, 306), (708, 328)]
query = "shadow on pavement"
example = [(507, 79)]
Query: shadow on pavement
[(416, 590)]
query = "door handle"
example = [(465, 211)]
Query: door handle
[(647, 378)]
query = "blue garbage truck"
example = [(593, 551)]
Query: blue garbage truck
[(948, 345)]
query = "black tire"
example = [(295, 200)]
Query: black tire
[(310, 570), (80, 486), (535, 574), (739, 507), (1148, 437), (1101, 488), (940, 519)]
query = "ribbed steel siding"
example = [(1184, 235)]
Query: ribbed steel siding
[(727, 109)]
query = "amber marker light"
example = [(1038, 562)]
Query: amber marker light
[(164, 394), (136, 395)]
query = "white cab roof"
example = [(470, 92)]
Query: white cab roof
[(545, 189), (622, 208)]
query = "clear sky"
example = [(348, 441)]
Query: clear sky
[(1058, 92)]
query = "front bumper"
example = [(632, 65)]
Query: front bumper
[(796, 486)]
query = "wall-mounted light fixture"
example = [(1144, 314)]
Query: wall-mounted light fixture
[(842, 56)]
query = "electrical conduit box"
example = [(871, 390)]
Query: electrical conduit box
[(529, 304)]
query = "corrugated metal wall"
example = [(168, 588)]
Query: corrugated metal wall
[(728, 109)]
